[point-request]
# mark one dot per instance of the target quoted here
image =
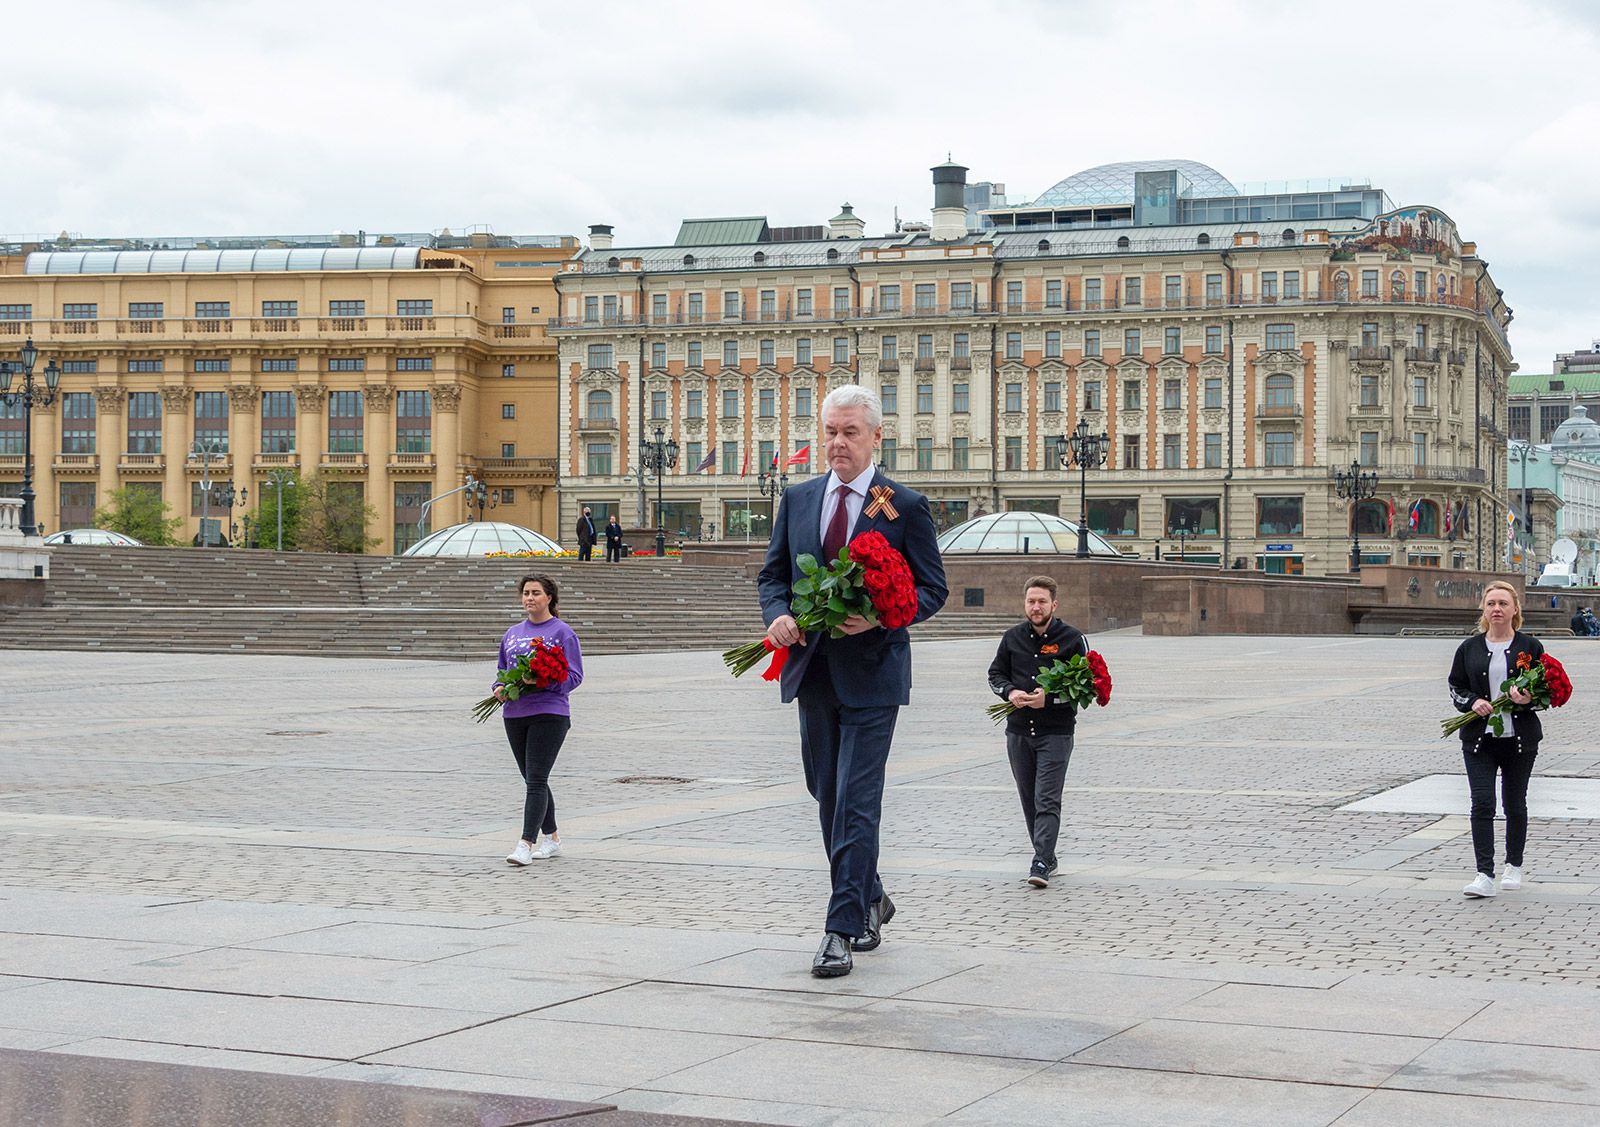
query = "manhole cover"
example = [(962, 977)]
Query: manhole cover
[(654, 780), (297, 732)]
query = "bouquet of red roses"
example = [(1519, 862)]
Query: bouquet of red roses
[(543, 667), (870, 578), (1543, 680), (1080, 678)]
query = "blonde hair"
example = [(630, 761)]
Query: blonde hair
[(1516, 601)]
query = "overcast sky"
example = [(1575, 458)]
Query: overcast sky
[(225, 118)]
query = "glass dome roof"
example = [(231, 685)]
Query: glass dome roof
[(100, 536), (1579, 432), (479, 538), (1113, 183), (1005, 532)]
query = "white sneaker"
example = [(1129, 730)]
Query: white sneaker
[(548, 848), (1512, 878), (523, 855), (1482, 886)]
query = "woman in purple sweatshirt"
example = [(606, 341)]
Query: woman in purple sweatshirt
[(537, 722)]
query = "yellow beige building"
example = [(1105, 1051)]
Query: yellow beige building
[(397, 364)]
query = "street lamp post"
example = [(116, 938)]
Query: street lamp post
[(658, 455), (1355, 485), (226, 496), (1084, 450), (1526, 454), (772, 483), (478, 491), (30, 395), (206, 449), (1181, 531), (279, 480)]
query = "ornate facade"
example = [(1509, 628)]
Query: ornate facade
[(1233, 366)]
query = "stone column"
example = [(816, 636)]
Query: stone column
[(244, 431), (177, 439), (310, 435), (108, 440), (377, 439), (447, 454), (46, 441)]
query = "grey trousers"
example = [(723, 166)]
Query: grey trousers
[(1039, 764)]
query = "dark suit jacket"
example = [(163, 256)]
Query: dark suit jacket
[(586, 533), (871, 669), (613, 534)]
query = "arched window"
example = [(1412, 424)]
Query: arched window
[(1122, 242), (1204, 239), (1371, 518), (760, 257), (1044, 246), (1397, 286), (833, 255), (688, 260), (1427, 519), (1280, 390), (599, 404), (613, 263), (1288, 234), (1341, 286)]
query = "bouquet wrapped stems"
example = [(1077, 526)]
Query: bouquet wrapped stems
[(1545, 681), (1081, 678), (543, 667)]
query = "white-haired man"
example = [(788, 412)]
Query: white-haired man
[(850, 689)]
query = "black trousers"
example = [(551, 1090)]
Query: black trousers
[(1503, 757), (1039, 765), (585, 551), (845, 751), (613, 552), (536, 741)]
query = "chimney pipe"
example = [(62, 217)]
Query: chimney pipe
[(600, 236), (949, 202)]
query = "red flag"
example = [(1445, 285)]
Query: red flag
[(744, 468), (800, 457), (1391, 516)]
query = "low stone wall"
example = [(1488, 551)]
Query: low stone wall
[(22, 592), (1245, 603), (1095, 594)]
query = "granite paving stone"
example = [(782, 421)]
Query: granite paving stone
[(1516, 1072)]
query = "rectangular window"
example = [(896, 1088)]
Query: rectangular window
[(802, 351), (1214, 393), (1213, 451), (77, 504), (1171, 451), (1013, 398), (924, 347), (414, 308), (1198, 515), (1052, 293), (961, 295), (1369, 283), (1091, 395), (889, 348), (1279, 447), (80, 311), (658, 307), (924, 399), (1130, 451), (1130, 395), (1052, 396), (1369, 334), (730, 354), (1114, 516), (1291, 285), (1171, 394), (1133, 291), (413, 364), (1013, 295), (802, 303), (1420, 339), (1419, 391), (769, 304), (1419, 448), (508, 315), (1280, 337), (960, 455), (924, 453), (1174, 289), (889, 396), (277, 422), (211, 419), (802, 402), (1052, 343), (146, 310), (1091, 342), (958, 398), (146, 365), (768, 353), (1369, 448), (1279, 516), (1091, 293), (1422, 285), (213, 365), (841, 350), (413, 422), (730, 458), (1014, 452), (766, 454), (730, 403), (1369, 389), (508, 449), (962, 349), (78, 368), (346, 423), (347, 364), (697, 357), (410, 525), (926, 296), (16, 312), (212, 310), (1214, 289), (693, 453), (767, 402), (658, 354), (347, 308), (280, 364), (1130, 342), (1214, 339), (597, 459), (889, 453), (841, 301), (144, 422), (1172, 340), (608, 309), (889, 299), (1269, 285), (658, 406), (1013, 346), (591, 310), (599, 356), (695, 403), (730, 305), (697, 306)]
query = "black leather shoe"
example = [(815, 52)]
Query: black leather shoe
[(833, 957), (879, 912)]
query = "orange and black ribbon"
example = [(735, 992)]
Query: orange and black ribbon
[(882, 502)]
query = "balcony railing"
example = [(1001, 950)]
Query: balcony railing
[(11, 463), (343, 460), (77, 463), (1423, 355), (1371, 352), (598, 422), (208, 325), (1279, 411), (342, 324), (141, 463), (892, 366), (16, 328), (923, 364), (275, 460), (220, 465), (411, 462), (544, 468), (1409, 472)]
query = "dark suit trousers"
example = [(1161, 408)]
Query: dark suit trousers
[(845, 751), (1039, 764), (585, 551)]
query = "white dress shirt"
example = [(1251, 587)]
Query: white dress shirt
[(855, 499)]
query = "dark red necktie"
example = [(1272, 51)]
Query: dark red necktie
[(838, 527)]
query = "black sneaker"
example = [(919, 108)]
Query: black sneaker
[(1038, 875)]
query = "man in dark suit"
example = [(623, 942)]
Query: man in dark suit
[(586, 535), (850, 688), (613, 540)]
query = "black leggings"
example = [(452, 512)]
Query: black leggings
[(1503, 757), (536, 741)]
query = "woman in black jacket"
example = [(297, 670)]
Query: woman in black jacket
[(1483, 663)]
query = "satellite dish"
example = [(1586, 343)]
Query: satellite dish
[(1563, 551)]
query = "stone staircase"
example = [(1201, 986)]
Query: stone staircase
[(185, 600)]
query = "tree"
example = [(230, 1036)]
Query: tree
[(264, 521), (334, 515), (137, 510)]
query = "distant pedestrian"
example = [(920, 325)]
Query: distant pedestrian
[(586, 535), (537, 722), (1039, 734), (613, 541), (1483, 663)]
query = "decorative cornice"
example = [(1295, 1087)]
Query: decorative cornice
[(108, 400)]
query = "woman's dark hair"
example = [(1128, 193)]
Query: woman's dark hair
[(544, 581)]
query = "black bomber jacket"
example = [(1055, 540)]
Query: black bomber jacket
[(1469, 680), (1022, 655)]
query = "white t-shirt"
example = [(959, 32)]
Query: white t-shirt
[(1499, 670)]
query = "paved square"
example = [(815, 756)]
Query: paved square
[(294, 865)]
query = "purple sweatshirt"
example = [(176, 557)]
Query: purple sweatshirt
[(518, 641)]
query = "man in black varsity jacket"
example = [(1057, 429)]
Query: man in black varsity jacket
[(1039, 733)]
